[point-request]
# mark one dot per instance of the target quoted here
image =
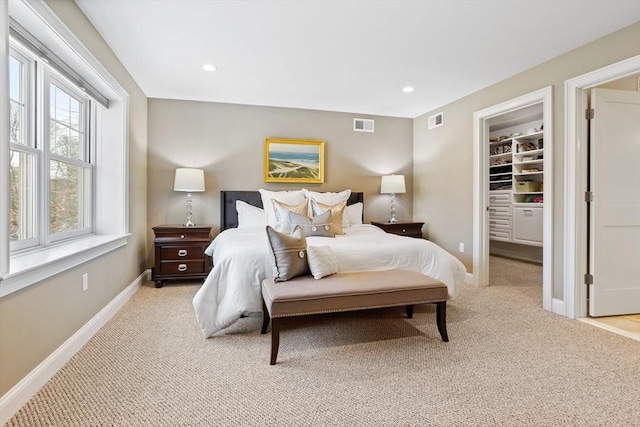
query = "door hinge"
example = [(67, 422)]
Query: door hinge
[(588, 279), (588, 196), (589, 113)]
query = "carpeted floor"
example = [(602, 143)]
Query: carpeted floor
[(508, 363)]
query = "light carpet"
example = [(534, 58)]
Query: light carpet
[(508, 363)]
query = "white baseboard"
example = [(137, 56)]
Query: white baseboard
[(558, 307), (20, 394), (468, 279)]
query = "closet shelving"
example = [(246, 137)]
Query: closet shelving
[(516, 179)]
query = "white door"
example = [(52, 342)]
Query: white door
[(614, 224)]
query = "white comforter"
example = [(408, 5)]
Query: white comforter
[(241, 261)]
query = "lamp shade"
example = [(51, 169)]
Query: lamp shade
[(189, 180), (392, 184)]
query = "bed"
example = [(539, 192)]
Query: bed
[(241, 259)]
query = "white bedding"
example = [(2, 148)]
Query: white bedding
[(241, 261)]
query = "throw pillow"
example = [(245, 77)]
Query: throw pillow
[(288, 254), (337, 211), (288, 197), (322, 261), (319, 225), (329, 198), (281, 210)]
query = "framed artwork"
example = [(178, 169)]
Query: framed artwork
[(293, 160)]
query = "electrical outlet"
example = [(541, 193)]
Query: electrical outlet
[(461, 247), (85, 282)]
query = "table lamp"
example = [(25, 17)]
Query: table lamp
[(189, 180), (392, 184)]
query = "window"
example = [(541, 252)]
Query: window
[(66, 153), (51, 171)]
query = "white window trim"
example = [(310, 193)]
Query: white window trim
[(112, 220)]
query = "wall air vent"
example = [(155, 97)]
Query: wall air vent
[(363, 125), (436, 120)]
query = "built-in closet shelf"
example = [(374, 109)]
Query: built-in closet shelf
[(516, 180)]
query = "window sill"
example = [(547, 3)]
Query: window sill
[(30, 268)]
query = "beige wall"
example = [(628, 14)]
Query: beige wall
[(227, 141), (443, 157), (38, 319)]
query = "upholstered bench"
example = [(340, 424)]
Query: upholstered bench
[(349, 292)]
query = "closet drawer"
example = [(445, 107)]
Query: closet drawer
[(499, 224), (499, 210), (498, 198), (527, 226), (504, 235)]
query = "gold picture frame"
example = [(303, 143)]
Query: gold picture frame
[(293, 160)]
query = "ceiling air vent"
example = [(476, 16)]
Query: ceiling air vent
[(363, 125), (435, 120)]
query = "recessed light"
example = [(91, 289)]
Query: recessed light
[(208, 67), (407, 89)]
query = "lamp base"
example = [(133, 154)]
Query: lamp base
[(393, 220), (189, 224)]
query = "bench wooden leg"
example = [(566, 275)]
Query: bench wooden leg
[(409, 311), (275, 340), (441, 313), (265, 318)]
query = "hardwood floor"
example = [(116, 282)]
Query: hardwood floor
[(627, 325)]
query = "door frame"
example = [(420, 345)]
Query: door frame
[(575, 155), (481, 187)]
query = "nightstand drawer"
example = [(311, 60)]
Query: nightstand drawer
[(171, 268), (177, 253), (410, 229)]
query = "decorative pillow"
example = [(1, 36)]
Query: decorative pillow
[(288, 254), (319, 225), (250, 216), (288, 197), (322, 261), (328, 198), (281, 210), (353, 213), (337, 211)]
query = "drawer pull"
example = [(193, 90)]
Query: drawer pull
[(182, 267), (404, 230), (182, 252), (182, 236)]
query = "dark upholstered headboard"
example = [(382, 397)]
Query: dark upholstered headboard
[(229, 215)]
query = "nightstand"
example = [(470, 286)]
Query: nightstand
[(411, 229), (179, 253)]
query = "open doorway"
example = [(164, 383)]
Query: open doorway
[(531, 112)]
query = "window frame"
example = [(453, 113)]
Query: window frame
[(37, 79), (27, 84), (111, 227)]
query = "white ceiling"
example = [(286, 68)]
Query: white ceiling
[(349, 56)]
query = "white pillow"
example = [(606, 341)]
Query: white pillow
[(250, 216), (353, 214), (288, 197), (322, 261), (328, 198)]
